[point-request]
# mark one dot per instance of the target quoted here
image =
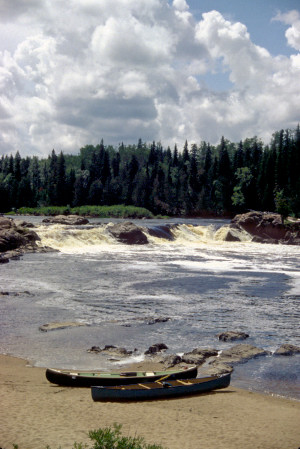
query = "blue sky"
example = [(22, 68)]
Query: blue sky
[(72, 73)]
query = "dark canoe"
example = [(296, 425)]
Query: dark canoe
[(160, 389), (87, 379)]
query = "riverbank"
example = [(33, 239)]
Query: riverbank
[(35, 413)]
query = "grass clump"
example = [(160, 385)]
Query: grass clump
[(116, 211)]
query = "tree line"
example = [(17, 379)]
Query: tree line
[(194, 180)]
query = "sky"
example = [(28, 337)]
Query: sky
[(75, 72)]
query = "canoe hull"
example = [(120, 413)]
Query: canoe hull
[(79, 379), (157, 390)]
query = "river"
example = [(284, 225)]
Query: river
[(201, 283)]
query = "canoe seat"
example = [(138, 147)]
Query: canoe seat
[(150, 373)]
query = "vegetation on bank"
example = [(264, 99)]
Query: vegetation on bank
[(116, 211), (200, 179), (111, 438)]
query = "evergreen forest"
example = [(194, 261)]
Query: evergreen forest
[(196, 180)]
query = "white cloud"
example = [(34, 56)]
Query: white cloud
[(122, 69), (293, 32)]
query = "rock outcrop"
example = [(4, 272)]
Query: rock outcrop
[(232, 336), (15, 240), (267, 227), (157, 347), (128, 233), (73, 220), (112, 351), (287, 349)]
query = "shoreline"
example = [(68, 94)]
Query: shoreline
[(35, 414)]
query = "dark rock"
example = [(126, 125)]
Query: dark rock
[(267, 227), (157, 347), (163, 232), (112, 350), (74, 220), (232, 336), (24, 224), (3, 259), (128, 233), (287, 349), (158, 320)]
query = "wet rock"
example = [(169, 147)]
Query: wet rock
[(56, 326), (163, 232), (112, 350), (232, 336), (74, 220), (157, 347), (15, 240), (128, 233), (287, 349), (158, 320), (240, 353), (3, 259), (268, 227)]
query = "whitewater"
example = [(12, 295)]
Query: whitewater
[(200, 283)]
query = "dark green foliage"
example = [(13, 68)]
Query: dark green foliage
[(223, 179)]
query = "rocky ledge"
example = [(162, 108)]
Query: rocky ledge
[(17, 239), (267, 227)]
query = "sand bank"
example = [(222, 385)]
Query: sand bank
[(34, 414)]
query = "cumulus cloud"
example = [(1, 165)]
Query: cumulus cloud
[(293, 32), (123, 70)]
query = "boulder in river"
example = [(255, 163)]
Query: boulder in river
[(267, 227), (157, 347), (232, 336), (14, 240), (287, 349), (128, 233)]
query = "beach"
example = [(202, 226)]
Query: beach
[(35, 414)]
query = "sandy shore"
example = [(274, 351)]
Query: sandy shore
[(34, 414)]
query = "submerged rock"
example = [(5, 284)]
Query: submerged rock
[(55, 326), (157, 347), (128, 233), (287, 349), (112, 350), (232, 336)]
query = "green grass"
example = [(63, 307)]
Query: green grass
[(117, 211), (111, 438)]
